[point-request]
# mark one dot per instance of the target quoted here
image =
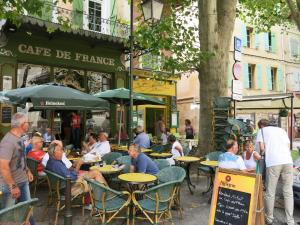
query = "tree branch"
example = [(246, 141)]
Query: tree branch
[(294, 14)]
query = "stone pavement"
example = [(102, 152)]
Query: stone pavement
[(196, 209)]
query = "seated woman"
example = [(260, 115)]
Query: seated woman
[(250, 156), (164, 136), (123, 135), (56, 165), (37, 153), (229, 159), (176, 150)]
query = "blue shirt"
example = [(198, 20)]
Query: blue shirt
[(57, 166), (142, 140), (229, 160), (143, 164), (28, 148)]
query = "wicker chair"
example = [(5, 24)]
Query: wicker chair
[(171, 174), (57, 185), (124, 160), (108, 203), (18, 214), (109, 158), (37, 179), (161, 163), (155, 204)]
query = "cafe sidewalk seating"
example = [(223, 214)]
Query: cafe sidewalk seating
[(107, 203), (161, 163), (17, 214), (56, 196), (110, 157), (37, 179), (174, 173), (207, 170), (155, 204)]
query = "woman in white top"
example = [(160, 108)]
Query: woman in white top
[(176, 150), (250, 156)]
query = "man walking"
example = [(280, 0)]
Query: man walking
[(274, 144), (75, 124), (14, 174)]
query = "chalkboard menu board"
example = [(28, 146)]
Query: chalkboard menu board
[(232, 207), (236, 198), (6, 114)]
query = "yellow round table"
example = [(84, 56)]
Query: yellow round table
[(137, 178), (160, 155), (210, 163), (107, 169), (185, 162)]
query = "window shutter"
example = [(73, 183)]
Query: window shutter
[(229, 75), (266, 39), (245, 75), (47, 10), (256, 39), (78, 13), (280, 80), (258, 76), (269, 78), (244, 35), (113, 16), (274, 42)]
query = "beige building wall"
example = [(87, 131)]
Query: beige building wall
[(256, 54)]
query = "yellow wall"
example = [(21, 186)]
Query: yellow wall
[(154, 87)]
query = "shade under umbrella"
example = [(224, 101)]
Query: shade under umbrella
[(54, 96), (121, 96)]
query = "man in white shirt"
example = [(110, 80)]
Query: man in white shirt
[(102, 147), (274, 144)]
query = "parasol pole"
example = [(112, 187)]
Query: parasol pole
[(120, 121)]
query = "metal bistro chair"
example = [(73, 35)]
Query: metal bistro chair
[(109, 158), (108, 203), (57, 185), (18, 214), (156, 203), (37, 179), (174, 173), (162, 163)]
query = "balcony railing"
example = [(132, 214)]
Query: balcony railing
[(78, 19)]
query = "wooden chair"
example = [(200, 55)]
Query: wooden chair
[(108, 203)]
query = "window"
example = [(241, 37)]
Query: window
[(95, 15), (98, 81), (294, 48), (274, 78), (251, 75), (30, 75), (249, 37)]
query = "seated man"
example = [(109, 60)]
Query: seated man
[(229, 159), (56, 165), (48, 136), (141, 138), (101, 148), (140, 162)]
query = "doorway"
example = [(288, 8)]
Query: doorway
[(152, 115)]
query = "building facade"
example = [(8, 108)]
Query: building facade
[(268, 66)]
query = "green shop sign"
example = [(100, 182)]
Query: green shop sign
[(62, 51)]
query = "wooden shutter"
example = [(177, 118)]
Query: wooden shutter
[(274, 42), (256, 41), (280, 80), (244, 35), (258, 76), (269, 78), (246, 75), (78, 13), (266, 40)]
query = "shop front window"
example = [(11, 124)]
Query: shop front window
[(30, 75), (98, 82), (69, 77)]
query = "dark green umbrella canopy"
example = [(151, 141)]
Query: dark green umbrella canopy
[(121, 96), (54, 96)]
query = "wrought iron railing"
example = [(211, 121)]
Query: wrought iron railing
[(78, 19)]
